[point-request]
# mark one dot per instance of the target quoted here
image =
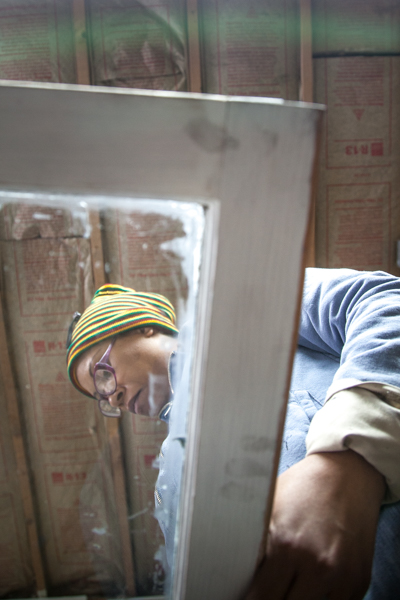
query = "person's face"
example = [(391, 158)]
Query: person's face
[(140, 361)]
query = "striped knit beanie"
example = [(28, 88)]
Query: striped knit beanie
[(115, 309)]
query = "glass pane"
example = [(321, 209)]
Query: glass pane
[(93, 478)]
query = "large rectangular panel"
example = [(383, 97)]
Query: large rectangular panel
[(249, 162)]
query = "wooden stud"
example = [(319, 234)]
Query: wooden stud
[(81, 49), (306, 72), (20, 458), (96, 249), (83, 78), (194, 64), (310, 247), (306, 95), (112, 425), (122, 510)]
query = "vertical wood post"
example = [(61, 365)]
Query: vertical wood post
[(81, 49), (112, 426), (194, 66), (306, 69), (83, 78), (306, 95)]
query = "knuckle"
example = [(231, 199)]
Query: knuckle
[(326, 567)]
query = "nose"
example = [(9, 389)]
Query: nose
[(117, 399)]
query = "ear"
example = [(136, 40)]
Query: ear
[(148, 331)]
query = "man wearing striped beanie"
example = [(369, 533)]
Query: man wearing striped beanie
[(119, 351)]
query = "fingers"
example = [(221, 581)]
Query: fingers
[(269, 585), (272, 584), (271, 581), (310, 578)]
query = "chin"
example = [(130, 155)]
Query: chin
[(158, 395)]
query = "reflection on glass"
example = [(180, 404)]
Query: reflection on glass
[(95, 539)]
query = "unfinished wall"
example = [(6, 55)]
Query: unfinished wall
[(138, 44), (37, 40), (358, 201), (80, 510), (250, 48), (356, 74), (16, 572), (135, 255), (46, 276)]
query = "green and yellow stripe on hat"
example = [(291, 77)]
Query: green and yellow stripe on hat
[(113, 310)]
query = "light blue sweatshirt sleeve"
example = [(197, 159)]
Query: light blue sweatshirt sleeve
[(355, 316)]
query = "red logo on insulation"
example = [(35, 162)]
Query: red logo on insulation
[(57, 477), (377, 149), (39, 346)]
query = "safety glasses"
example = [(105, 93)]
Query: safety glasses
[(105, 381)]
